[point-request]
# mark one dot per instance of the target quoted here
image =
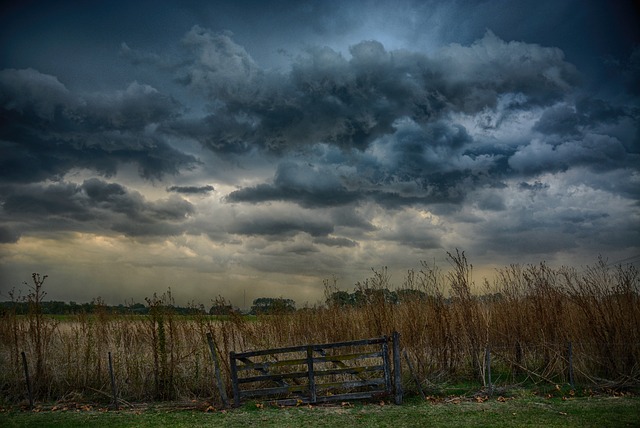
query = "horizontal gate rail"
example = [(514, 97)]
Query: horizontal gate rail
[(357, 369)]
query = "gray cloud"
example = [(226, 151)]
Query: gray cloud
[(191, 190), (304, 184), (47, 130), (8, 235), (335, 242), (599, 152), (93, 205), (280, 226), (351, 102)]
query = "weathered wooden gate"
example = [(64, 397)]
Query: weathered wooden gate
[(359, 369)]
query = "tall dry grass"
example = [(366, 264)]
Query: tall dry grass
[(446, 321)]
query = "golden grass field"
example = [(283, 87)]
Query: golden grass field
[(527, 317)]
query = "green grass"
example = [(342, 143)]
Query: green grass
[(519, 412)]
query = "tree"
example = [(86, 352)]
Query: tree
[(270, 305)]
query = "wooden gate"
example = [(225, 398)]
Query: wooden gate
[(340, 371)]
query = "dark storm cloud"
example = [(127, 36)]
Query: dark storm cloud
[(94, 204), (599, 152), (8, 236), (191, 190), (46, 130), (535, 187), (631, 72), (335, 242), (304, 184), (560, 119), (390, 112), (414, 165), (280, 226), (349, 102), (572, 119)]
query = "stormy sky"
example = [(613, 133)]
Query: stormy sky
[(250, 149)]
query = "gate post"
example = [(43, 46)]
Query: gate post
[(312, 380), (216, 368), (397, 371), (234, 379)]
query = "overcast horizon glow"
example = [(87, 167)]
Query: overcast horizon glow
[(253, 150)]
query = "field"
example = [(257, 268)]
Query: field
[(567, 332), (518, 412)]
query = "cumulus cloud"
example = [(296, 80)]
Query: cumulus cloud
[(47, 130), (191, 190), (350, 102), (305, 184), (93, 205), (220, 67), (599, 152), (468, 132), (475, 75), (8, 235), (280, 224)]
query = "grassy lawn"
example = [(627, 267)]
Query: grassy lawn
[(523, 411)]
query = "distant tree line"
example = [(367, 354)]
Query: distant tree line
[(54, 307), (366, 296), (269, 305), (261, 306)]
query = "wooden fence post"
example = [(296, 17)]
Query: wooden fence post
[(114, 391), (488, 369), (312, 380), (413, 373), (26, 375), (397, 371), (234, 379), (519, 358), (570, 362), (386, 365), (216, 367)]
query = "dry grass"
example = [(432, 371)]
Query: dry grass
[(527, 317)]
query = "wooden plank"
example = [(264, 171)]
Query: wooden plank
[(343, 357), (356, 371), (274, 391), (315, 347), (271, 351), (273, 377), (351, 384), (354, 343), (265, 366)]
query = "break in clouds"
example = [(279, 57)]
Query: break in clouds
[(493, 147)]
